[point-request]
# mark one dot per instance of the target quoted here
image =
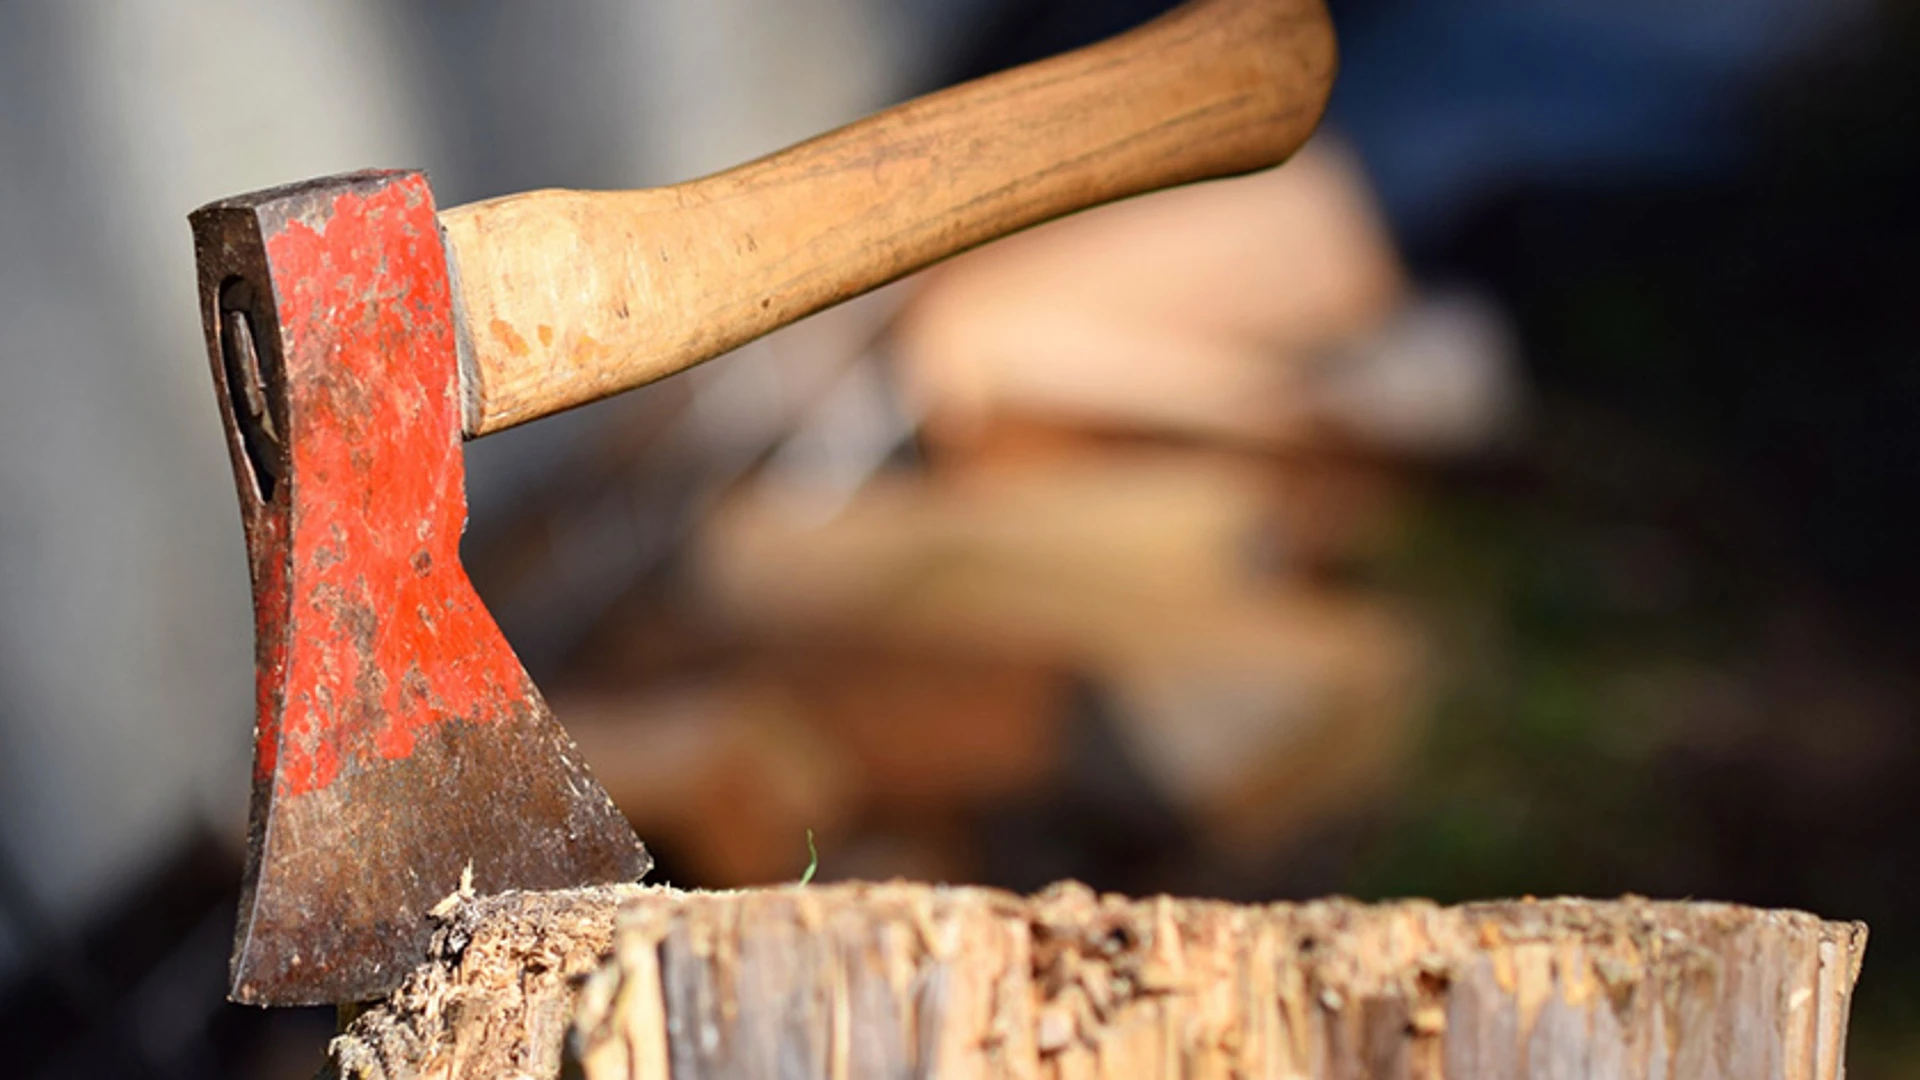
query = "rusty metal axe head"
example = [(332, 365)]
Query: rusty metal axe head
[(398, 741)]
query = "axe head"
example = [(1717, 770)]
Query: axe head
[(398, 743)]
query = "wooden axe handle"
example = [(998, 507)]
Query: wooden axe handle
[(566, 297)]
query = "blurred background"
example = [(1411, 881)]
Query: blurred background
[(1504, 497)]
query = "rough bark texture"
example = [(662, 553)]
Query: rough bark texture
[(897, 979), (494, 999)]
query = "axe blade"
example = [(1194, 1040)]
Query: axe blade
[(398, 741)]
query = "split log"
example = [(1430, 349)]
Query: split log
[(898, 979)]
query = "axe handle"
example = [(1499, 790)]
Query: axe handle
[(565, 297)]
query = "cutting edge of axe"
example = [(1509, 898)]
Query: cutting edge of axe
[(356, 336)]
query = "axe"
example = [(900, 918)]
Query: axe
[(357, 336)]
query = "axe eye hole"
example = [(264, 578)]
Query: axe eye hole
[(246, 380)]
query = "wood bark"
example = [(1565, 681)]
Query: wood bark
[(900, 979)]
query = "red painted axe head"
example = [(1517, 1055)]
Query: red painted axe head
[(398, 741)]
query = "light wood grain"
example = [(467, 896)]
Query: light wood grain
[(914, 980), (565, 297)]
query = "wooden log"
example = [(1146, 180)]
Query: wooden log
[(893, 980)]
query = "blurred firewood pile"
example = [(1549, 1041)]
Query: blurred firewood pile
[(1049, 562)]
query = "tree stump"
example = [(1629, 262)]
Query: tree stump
[(898, 979)]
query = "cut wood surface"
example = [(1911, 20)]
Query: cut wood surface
[(899, 979)]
